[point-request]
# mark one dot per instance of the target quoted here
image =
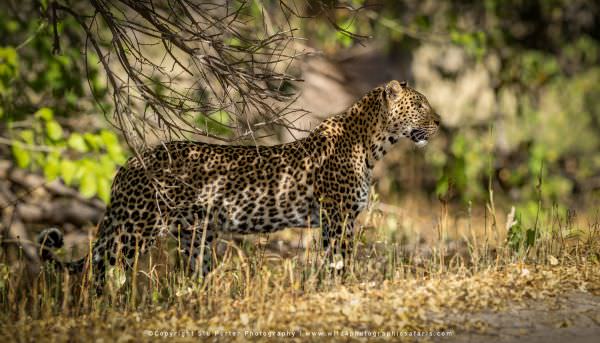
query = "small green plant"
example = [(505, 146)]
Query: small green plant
[(520, 238)]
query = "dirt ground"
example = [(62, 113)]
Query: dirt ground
[(572, 317)]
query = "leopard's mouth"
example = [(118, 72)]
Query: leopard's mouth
[(419, 136)]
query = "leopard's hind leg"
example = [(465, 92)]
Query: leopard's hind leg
[(122, 234)]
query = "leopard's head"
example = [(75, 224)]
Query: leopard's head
[(409, 114)]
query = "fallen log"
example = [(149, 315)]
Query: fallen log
[(60, 211)]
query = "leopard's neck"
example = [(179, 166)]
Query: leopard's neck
[(360, 128)]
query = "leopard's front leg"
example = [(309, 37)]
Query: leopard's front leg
[(337, 235)]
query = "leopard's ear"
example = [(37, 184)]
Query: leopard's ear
[(394, 89)]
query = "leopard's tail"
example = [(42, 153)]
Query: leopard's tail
[(51, 239)]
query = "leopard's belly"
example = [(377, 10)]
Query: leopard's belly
[(250, 204)]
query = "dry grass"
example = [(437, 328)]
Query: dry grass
[(396, 284)]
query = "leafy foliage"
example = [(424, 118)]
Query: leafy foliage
[(87, 160), (44, 100)]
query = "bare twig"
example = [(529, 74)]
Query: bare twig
[(168, 62)]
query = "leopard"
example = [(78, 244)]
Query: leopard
[(196, 191)]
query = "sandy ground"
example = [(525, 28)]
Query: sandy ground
[(572, 317)]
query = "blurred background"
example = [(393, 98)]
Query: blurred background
[(517, 84)]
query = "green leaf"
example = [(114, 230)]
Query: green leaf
[(106, 165), (93, 141), (344, 38), (51, 167), (233, 41), (116, 154), (9, 59), (27, 136), (21, 155), (104, 189), (67, 170), (108, 137), (54, 130), (88, 186), (216, 126), (44, 113), (77, 142), (113, 147)]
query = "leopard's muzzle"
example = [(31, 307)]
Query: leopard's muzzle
[(419, 136)]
